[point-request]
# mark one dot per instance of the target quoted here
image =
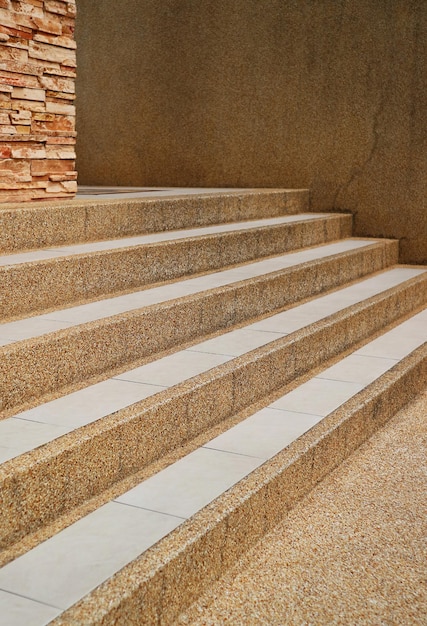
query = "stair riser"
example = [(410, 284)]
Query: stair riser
[(92, 220), (43, 484), (32, 369), (55, 282), (155, 588)]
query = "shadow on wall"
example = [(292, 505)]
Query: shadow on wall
[(280, 93)]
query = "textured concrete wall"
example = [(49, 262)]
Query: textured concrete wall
[(330, 95)]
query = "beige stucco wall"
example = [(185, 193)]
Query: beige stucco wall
[(325, 94)]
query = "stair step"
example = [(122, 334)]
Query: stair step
[(95, 400), (101, 450), (202, 512), (166, 397), (49, 322), (62, 223), (94, 342), (50, 278), (312, 568)]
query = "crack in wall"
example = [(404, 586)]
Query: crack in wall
[(344, 187)]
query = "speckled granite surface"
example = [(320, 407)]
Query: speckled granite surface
[(54, 486), (48, 283), (63, 481), (44, 224), (352, 552), (171, 575), (48, 363)]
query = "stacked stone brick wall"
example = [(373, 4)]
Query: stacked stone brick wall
[(37, 93)]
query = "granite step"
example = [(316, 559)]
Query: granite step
[(62, 453), (49, 354), (56, 277), (145, 555), (42, 225), (176, 373), (312, 567)]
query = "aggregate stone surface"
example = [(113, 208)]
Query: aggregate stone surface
[(352, 552)]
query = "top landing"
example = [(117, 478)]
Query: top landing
[(99, 213)]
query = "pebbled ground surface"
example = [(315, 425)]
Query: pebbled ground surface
[(354, 551)]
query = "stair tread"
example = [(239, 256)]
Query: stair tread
[(164, 236), (60, 223), (34, 427), (174, 383), (370, 510), (42, 424), (64, 318), (47, 279), (104, 541)]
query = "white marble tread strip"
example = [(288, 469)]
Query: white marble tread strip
[(126, 242), (18, 611), (65, 318), (144, 192), (35, 427), (57, 573)]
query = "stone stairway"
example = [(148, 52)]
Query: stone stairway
[(175, 374)]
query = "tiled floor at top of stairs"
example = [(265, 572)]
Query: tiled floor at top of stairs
[(39, 585), (89, 191), (50, 322)]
